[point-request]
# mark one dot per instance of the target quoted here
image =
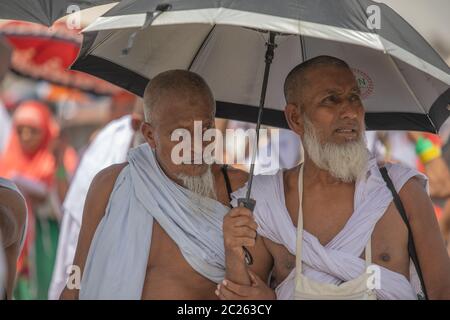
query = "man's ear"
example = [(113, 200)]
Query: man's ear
[(148, 131), (136, 122), (293, 117)]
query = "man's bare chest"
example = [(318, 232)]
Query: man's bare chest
[(169, 275)]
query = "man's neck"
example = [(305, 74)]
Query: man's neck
[(313, 175), (168, 175), (216, 171)]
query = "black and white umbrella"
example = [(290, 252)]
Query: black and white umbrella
[(244, 49), (45, 12), (404, 82)]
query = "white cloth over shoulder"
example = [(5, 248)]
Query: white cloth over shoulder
[(339, 261), (110, 146), (117, 260)]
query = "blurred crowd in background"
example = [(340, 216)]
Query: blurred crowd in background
[(53, 133), (41, 149)]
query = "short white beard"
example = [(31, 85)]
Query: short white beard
[(202, 185), (346, 162)]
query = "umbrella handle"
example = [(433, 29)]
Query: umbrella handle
[(249, 204)]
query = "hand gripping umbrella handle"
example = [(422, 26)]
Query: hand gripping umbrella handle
[(249, 204)]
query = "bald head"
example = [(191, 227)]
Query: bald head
[(174, 84), (175, 102), (297, 80)]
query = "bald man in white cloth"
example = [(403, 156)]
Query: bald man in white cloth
[(152, 228), (328, 228)]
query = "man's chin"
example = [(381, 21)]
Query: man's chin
[(194, 169), (343, 141)]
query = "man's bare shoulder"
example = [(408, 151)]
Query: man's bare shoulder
[(431, 251), (108, 175), (411, 186), (100, 191), (415, 198)]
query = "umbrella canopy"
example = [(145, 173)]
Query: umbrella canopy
[(44, 12), (41, 53), (404, 82)]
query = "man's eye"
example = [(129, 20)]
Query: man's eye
[(355, 97), (330, 99)]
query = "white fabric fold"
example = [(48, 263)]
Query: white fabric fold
[(110, 146), (339, 260), (118, 256)]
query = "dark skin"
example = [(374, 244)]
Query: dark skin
[(12, 221), (166, 267), (445, 225), (331, 101)]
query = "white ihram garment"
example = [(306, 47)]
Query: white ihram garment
[(117, 261), (110, 146), (339, 261)]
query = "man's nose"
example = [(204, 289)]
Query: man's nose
[(349, 111)]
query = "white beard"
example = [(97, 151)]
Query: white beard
[(202, 185), (345, 162)]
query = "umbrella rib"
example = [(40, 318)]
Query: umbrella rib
[(93, 48), (207, 38), (303, 47)]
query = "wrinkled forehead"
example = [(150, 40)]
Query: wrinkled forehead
[(183, 109), (330, 78)]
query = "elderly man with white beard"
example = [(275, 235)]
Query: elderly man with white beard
[(329, 228), (151, 228)]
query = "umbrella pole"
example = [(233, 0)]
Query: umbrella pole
[(247, 202)]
